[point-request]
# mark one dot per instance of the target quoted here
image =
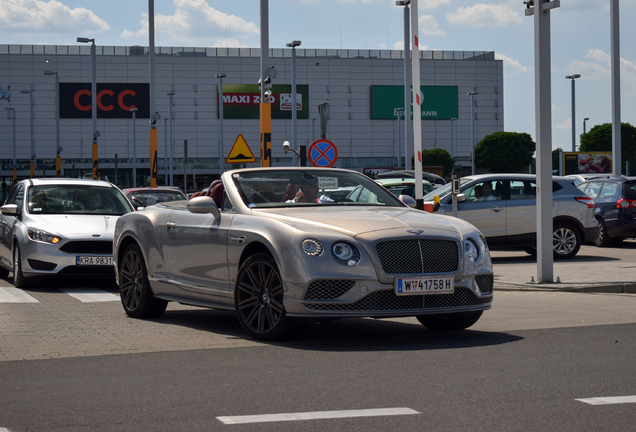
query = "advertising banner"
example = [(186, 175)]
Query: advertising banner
[(438, 102), (587, 162), (114, 100), (240, 101)]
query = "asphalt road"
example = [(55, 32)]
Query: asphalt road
[(70, 360)]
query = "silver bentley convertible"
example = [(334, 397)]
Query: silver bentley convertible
[(282, 244)]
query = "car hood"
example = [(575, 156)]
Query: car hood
[(75, 225), (354, 221)]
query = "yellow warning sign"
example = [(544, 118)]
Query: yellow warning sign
[(240, 152)]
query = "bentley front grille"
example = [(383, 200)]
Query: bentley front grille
[(328, 289), (387, 301), (418, 256)]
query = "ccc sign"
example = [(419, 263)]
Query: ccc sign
[(114, 100)]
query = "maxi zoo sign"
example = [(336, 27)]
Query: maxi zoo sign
[(241, 101), (438, 102)]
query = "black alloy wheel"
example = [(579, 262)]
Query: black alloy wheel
[(603, 240), (258, 298), (134, 288), (449, 322)]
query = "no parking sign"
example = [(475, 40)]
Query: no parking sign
[(322, 153)]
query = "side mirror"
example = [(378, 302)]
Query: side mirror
[(409, 201), (203, 205), (9, 210), (461, 197)]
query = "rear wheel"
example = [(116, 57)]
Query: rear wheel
[(566, 241), (134, 288), (258, 298), (19, 281), (603, 239), (449, 322)]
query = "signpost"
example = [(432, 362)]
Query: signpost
[(240, 152), (322, 153)]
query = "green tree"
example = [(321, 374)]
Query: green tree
[(438, 157), (508, 152), (555, 159), (599, 138)]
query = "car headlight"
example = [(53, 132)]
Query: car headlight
[(471, 250), (43, 236), (312, 247), (346, 253)]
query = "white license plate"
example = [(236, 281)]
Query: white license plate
[(425, 285), (92, 260)]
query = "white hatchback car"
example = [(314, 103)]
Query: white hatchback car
[(59, 227)]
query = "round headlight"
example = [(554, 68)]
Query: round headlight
[(346, 254), (472, 251), (312, 247)]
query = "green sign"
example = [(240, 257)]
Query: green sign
[(438, 102), (241, 101)]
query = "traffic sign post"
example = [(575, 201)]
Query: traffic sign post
[(240, 152), (322, 153)]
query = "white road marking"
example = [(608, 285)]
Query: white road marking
[(609, 400), (317, 415), (88, 295), (15, 295)]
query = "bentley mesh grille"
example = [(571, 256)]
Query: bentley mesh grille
[(328, 289), (104, 247), (387, 301), (418, 256), (485, 282)]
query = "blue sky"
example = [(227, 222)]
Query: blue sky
[(580, 31)]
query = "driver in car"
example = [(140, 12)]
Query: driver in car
[(309, 192)]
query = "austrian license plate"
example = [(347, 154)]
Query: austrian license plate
[(425, 285), (93, 260)]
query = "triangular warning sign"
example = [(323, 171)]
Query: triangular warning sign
[(240, 152)]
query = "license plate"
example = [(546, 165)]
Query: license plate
[(425, 285), (92, 260)]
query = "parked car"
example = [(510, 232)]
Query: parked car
[(434, 179), (507, 217), (615, 199), (580, 178), (270, 260), (404, 186), (146, 196), (56, 226)]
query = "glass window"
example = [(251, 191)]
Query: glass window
[(77, 199), (608, 190), (522, 189), (630, 190), (593, 188)]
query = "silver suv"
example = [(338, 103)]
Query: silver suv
[(503, 207)]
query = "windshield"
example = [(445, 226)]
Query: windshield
[(74, 199), (444, 190), (310, 187), (148, 198)]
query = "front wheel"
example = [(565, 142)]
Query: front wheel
[(566, 241), (449, 322), (134, 287), (258, 298), (19, 281)]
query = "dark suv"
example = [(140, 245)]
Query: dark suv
[(615, 200)]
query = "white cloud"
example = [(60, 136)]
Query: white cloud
[(566, 125), (432, 4), (487, 15), (429, 26), (399, 45), (512, 67), (196, 21), (49, 17)]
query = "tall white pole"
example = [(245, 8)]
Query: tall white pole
[(407, 86), (417, 108), (616, 90), (154, 117)]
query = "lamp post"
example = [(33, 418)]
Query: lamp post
[(293, 45), (134, 119), (453, 136), (399, 112), (58, 149), (407, 79), (165, 152), (573, 77), (220, 76), (171, 94), (93, 100), (30, 93), (12, 111), (472, 128), (584, 121)]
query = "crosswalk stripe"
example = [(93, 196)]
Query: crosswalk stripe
[(89, 295), (608, 400), (15, 295), (316, 415)]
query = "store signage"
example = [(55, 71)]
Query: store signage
[(438, 102), (587, 162), (114, 100), (241, 101)]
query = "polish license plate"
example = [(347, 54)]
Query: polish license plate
[(425, 285), (93, 260)]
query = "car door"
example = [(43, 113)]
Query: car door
[(522, 211), (8, 225), (196, 248)]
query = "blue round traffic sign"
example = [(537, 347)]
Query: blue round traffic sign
[(322, 153)]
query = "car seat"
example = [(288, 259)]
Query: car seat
[(217, 194)]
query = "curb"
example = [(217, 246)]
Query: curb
[(612, 288)]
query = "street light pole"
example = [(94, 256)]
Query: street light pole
[(584, 121), (134, 119), (573, 77), (453, 136), (165, 152), (472, 128), (293, 45), (221, 150), (93, 100), (12, 111), (30, 93), (58, 149), (171, 94), (399, 112)]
